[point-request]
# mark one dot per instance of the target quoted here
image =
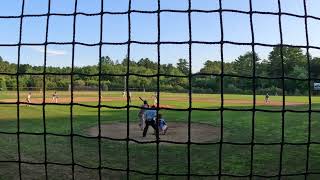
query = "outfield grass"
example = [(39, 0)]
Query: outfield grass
[(172, 159), (181, 101)]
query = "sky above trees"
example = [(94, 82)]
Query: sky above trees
[(173, 27)]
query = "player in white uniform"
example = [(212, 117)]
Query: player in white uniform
[(29, 99), (130, 95), (141, 114), (55, 97), (155, 99), (124, 95), (267, 98)]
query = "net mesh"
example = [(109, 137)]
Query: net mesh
[(222, 42)]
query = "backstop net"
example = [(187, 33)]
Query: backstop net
[(162, 170)]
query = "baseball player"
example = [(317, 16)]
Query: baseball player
[(124, 94), (266, 99), (55, 97), (150, 116), (130, 97), (155, 99), (141, 114), (29, 99), (163, 127)]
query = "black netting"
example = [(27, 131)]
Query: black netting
[(128, 170)]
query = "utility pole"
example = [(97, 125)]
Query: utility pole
[(125, 84)]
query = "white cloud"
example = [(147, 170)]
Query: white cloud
[(50, 52)]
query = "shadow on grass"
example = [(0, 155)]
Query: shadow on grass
[(172, 159)]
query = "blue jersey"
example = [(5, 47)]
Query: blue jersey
[(150, 114), (162, 122), (142, 111)]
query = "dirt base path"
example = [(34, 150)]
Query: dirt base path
[(66, 99), (206, 100), (177, 132), (76, 100)]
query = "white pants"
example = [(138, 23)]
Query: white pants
[(142, 122), (164, 127)]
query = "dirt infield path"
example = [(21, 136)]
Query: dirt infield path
[(180, 99), (64, 100), (177, 132)]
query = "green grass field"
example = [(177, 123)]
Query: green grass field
[(237, 127)]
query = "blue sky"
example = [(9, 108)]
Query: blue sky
[(174, 27)]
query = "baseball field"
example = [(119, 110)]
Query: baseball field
[(60, 150)]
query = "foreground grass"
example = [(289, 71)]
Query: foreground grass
[(172, 159)]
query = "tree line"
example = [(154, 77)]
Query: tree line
[(237, 74)]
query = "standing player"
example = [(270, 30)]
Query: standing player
[(124, 93), (141, 114), (130, 97), (155, 99), (55, 97), (150, 116), (29, 99), (266, 99)]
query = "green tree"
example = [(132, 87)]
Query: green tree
[(291, 57), (23, 68), (105, 85), (211, 67), (106, 60), (79, 83), (3, 85), (295, 86), (315, 67), (243, 65), (147, 63), (183, 66)]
